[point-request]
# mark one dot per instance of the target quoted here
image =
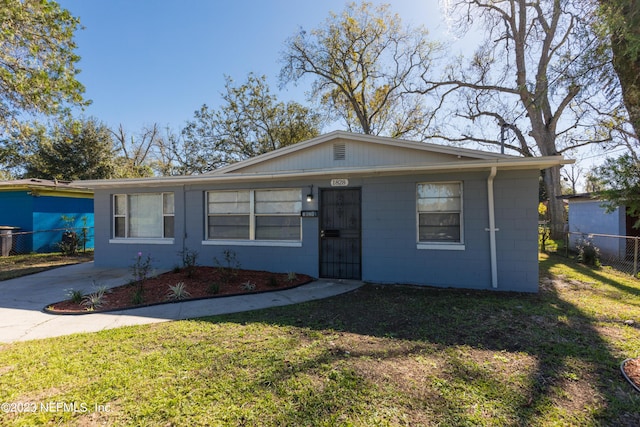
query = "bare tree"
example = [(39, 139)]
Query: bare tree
[(168, 156), (180, 155), (534, 76), (593, 181), (137, 152), (572, 175)]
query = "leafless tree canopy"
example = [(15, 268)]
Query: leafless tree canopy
[(536, 75), (537, 71)]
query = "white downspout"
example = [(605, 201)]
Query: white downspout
[(184, 219), (492, 227)]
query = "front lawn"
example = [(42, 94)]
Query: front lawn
[(21, 265), (382, 355)]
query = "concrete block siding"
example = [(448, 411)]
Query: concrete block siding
[(389, 231)]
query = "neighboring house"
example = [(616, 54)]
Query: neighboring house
[(588, 215), (37, 205), (342, 206)]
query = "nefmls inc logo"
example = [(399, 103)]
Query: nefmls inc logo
[(76, 407)]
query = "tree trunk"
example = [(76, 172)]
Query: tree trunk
[(545, 138), (556, 205), (628, 70), (626, 61)]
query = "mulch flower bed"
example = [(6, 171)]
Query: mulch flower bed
[(631, 369), (201, 282)]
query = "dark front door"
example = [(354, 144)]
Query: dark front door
[(340, 243)]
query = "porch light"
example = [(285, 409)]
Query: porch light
[(310, 195)]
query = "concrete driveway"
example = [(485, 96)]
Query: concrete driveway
[(22, 301)]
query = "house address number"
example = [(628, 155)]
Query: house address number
[(339, 182)]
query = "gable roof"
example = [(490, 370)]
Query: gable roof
[(348, 154), (354, 150)]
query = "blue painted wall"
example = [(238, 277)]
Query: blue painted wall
[(15, 209), (389, 250), (589, 216), (20, 209), (389, 234), (390, 253), (48, 212)]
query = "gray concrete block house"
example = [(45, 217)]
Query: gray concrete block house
[(342, 206)]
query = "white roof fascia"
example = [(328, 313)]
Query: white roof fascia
[(511, 163)]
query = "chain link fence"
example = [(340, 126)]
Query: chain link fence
[(66, 240), (621, 253)]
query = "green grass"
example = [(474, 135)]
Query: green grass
[(21, 265), (383, 355)]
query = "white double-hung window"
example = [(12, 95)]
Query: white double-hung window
[(254, 215), (143, 216), (439, 215), (228, 214), (277, 214)]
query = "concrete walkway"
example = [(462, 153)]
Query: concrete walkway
[(22, 301)]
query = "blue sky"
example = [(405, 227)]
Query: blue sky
[(146, 62)]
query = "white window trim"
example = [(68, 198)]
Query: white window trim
[(252, 241), (138, 240), (145, 241), (115, 216), (282, 243), (443, 246)]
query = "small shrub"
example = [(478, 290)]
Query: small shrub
[(230, 260), (229, 268), (588, 253), (291, 276), (189, 261), (273, 281), (75, 295), (214, 288), (141, 268), (93, 300), (248, 286), (69, 243), (178, 292), (544, 234), (141, 271), (138, 297), (101, 288), (176, 269)]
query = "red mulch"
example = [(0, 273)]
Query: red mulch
[(632, 369), (155, 290)]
